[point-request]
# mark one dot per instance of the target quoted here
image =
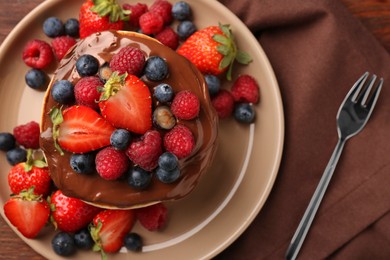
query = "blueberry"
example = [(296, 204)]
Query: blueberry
[(16, 155), (185, 29), (83, 163), (120, 139), (167, 176), (213, 84), (139, 178), (63, 92), (163, 92), (181, 11), (244, 113), (156, 68), (53, 27), (7, 141), (63, 244), (72, 27), (87, 65), (168, 161), (36, 79), (164, 118), (133, 242), (104, 72), (83, 239)]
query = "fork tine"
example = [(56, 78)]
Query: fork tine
[(375, 95), (357, 87), (363, 96)]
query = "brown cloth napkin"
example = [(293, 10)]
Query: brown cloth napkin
[(318, 50)]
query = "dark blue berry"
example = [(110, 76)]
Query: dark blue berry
[(36, 79), (104, 72), (83, 163), (62, 91), (213, 84), (168, 161), (185, 29), (83, 239), (63, 244), (120, 139), (72, 27), (163, 92), (244, 113), (133, 242), (181, 11), (156, 68), (168, 176), (164, 118), (139, 178), (7, 141), (87, 65), (16, 155), (53, 27)]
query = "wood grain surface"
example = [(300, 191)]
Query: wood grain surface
[(374, 14)]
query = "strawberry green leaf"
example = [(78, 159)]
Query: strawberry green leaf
[(226, 30), (221, 39), (110, 8), (243, 57), (224, 50), (56, 118), (113, 85)]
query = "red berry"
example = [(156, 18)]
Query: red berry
[(27, 135), (180, 141), (71, 214), (111, 164), (185, 105), (223, 103), (146, 151), (153, 217), (37, 54), (245, 89), (168, 37), (151, 23), (61, 45), (163, 8), (86, 92), (136, 11), (129, 59)]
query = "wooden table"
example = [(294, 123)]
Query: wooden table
[(375, 15)]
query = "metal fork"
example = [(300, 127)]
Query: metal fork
[(352, 116)]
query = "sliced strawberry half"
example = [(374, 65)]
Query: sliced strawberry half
[(82, 130), (109, 228), (126, 103), (27, 212)]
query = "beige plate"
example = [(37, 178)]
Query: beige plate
[(229, 196)]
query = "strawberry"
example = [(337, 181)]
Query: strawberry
[(109, 228), (80, 129), (27, 212), (126, 103), (213, 50), (71, 214), (32, 173), (100, 15)]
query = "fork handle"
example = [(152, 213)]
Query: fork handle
[(314, 204)]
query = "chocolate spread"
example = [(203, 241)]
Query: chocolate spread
[(183, 75)]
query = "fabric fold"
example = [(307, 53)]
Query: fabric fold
[(318, 50)]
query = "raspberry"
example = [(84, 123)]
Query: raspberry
[(86, 91), (146, 151), (245, 89), (163, 8), (151, 23), (129, 59), (136, 11), (27, 135), (185, 105), (153, 217), (37, 54), (111, 164), (180, 141), (61, 45), (168, 37), (223, 103)]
